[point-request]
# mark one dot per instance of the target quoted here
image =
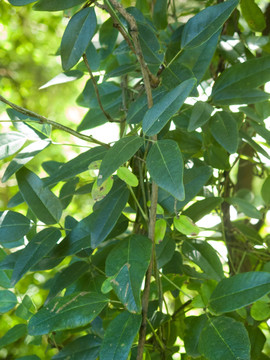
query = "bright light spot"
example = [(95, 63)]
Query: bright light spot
[(208, 221), (3, 32), (106, 133)]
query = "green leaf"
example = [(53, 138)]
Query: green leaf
[(63, 78), (29, 125), (149, 44), (217, 157), (165, 165), (203, 255), (260, 310), (202, 207), (253, 15), (106, 213), (160, 14), (40, 245), (75, 41), (77, 165), (245, 207), (224, 129), (85, 347), (66, 277), (160, 230), (197, 59), (194, 180), (165, 251), (201, 113), (139, 107), (7, 300), (157, 117), (52, 5), (185, 225), (13, 226), (236, 85), (194, 326), (128, 263), (14, 334), (44, 204), (127, 176), (99, 192), (206, 23), (240, 290), (23, 157), (25, 309), (257, 342), (10, 143), (265, 191), (20, 2), (119, 336), (224, 338), (121, 152), (68, 312)]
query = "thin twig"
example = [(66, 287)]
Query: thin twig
[(108, 116), (44, 120), (149, 80), (148, 77)]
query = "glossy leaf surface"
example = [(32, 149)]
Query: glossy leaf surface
[(205, 24), (67, 312)]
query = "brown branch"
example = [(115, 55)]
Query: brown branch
[(108, 116), (148, 78), (44, 120)]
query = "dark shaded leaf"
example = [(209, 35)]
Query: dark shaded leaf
[(202, 207), (224, 338), (157, 117), (127, 264), (77, 165), (165, 165), (52, 5), (236, 85), (14, 334), (203, 255), (66, 277), (44, 204), (194, 326), (224, 129), (116, 156), (119, 336), (40, 245), (13, 226), (7, 300), (77, 36), (83, 348)]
